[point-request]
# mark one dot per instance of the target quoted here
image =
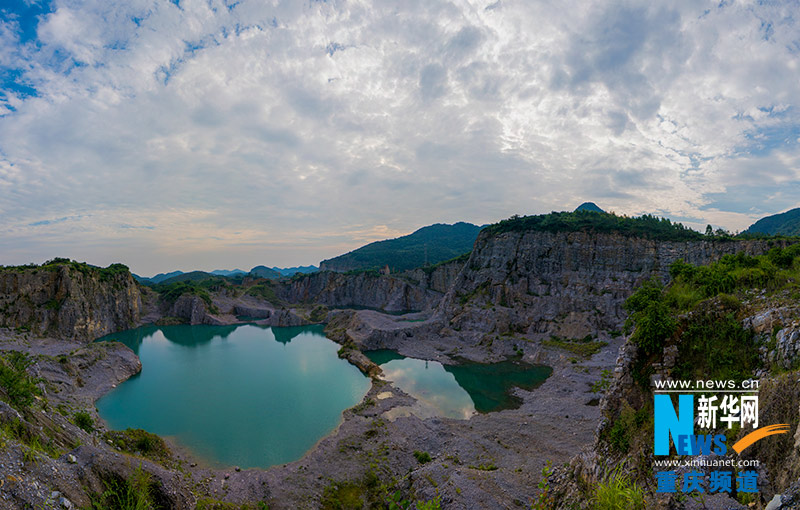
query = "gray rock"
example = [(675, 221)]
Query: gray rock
[(774, 503), (67, 303), (389, 293)]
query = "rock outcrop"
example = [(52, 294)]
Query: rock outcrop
[(438, 278), (388, 293), (567, 284), (64, 301)]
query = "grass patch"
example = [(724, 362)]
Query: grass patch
[(342, 496), (586, 346), (215, 504), (363, 406), (617, 491), (134, 493), (489, 466), (139, 442)]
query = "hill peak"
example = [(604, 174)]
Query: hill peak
[(589, 206)]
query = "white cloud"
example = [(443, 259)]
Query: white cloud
[(288, 122)]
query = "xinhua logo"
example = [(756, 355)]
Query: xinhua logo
[(736, 408)]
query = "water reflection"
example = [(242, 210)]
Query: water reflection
[(458, 391), (240, 395)]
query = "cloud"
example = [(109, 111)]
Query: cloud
[(319, 126)]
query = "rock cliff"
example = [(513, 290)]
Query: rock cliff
[(384, 292), (567, 284), (69, 301), (438, 278)]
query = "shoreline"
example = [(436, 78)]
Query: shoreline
[(516, 442)]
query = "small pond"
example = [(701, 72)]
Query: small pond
[(459, 391)]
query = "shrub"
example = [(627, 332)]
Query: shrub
[(422, 457), (714, 345), (652, 317), (84, 420), (544, 500), (18, 388), (602, 384)]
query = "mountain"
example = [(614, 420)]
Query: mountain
[(428, 245), (290, 271), (786, 223), (225, 272), (589, 206), (160, 277), (265, 272), (191, 276), (258, 271)]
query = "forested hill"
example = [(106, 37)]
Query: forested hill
[(431, 244), (787, 223)]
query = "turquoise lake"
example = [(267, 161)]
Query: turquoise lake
[(235, 395), (460, 391)]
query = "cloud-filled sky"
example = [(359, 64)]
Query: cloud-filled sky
[(204, 134)]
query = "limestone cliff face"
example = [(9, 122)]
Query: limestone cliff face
[(191, 309), (388, 293), (566, 284), (65, 302), (439, 278)]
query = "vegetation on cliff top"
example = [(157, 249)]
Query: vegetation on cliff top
[(647, 226), (104, 273), (170, 292)]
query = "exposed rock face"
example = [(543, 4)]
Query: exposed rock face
[(68, 303), (190, 308), (440, 278), (388, 293), (286, 317), (253, 311), (564, 284)]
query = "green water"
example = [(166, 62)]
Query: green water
[(459, 391), (235, 395)]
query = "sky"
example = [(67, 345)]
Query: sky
[(206, 134)]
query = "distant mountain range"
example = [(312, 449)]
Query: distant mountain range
[(786, 223), (428, 245), (225, 272), (258, 271)]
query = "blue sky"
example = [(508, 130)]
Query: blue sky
[(212, 134)]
